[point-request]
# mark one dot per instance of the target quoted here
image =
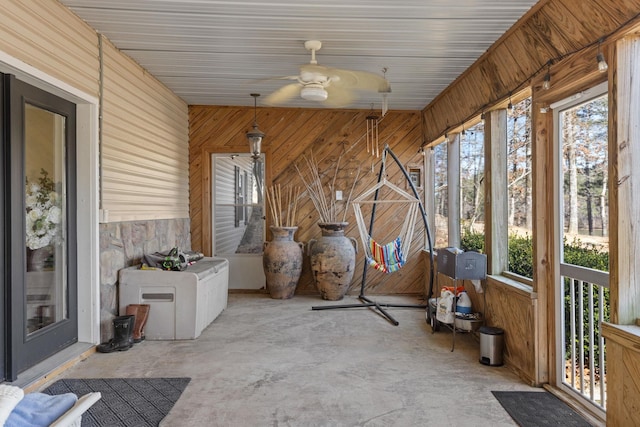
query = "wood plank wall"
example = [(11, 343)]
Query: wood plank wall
[(623, 358), (552, 29), (567, 32), (292, 134), (622, 335)]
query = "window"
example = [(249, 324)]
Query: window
[(472, 188), (584, 168), (415, 175), (441, 199), (239, 196), (519, 187)]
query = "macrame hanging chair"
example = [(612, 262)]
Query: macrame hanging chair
[(392, 256), (389, 257)]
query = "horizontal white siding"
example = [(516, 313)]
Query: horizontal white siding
[(145, 146), (49, 37), (144, 150)]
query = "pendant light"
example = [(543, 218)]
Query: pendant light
[(255, 135), (602, 63), (546, 83)]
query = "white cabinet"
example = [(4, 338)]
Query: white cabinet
[(182, 303)]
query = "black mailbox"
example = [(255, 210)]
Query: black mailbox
[(462, 265)]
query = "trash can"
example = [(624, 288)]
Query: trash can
[(491, 344)]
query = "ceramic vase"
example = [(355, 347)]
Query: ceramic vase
[(282, 262), (333, 259)]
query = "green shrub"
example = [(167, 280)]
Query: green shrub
[(521, 255), (520, 251), (472, 241), (586, 255)]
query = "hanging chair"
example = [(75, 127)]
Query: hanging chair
[(389, 257), (403, 241)]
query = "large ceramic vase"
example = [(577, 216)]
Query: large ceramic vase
[(282, 262), (333, 259)]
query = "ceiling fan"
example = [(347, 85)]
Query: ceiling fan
[(332, 86)]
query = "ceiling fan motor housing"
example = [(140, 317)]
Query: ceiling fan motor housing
[(313, 92)]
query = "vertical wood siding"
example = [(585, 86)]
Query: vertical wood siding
[(292, 133), (49, 37), (623, 370), (145, 166)]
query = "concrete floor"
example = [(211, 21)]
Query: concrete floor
[(266, 362)]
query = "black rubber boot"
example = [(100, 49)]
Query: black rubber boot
[(123, 338)]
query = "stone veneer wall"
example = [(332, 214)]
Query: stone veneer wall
[(122, 244)]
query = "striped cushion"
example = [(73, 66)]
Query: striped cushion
[(386, 258)]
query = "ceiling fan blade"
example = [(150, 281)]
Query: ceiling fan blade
[(313, 73), (362, 80), (283, 94), (313, 68), (270, 79), (338, 97), (283, 78)]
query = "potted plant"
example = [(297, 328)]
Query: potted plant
[(333, 255), (282, 256)]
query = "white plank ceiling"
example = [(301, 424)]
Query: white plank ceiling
[(214, 52)]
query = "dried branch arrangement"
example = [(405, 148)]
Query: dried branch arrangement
[(323, 197), (283, 207)]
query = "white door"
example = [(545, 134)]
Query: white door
[(581, 177), (238, 216)]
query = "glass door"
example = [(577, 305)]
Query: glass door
[(583, 243), (238, 216), (45, 218), (41, 129)]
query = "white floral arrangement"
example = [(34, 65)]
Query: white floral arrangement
[(43, 212)]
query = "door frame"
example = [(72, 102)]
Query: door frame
[(87, 167)]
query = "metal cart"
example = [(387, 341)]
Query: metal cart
[(458, 265)]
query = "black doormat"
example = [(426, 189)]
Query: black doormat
[(538, 408), (125, 401)]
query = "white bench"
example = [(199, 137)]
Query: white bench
[(183, 303)]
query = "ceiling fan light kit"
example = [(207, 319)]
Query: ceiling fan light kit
[(314, 92)]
